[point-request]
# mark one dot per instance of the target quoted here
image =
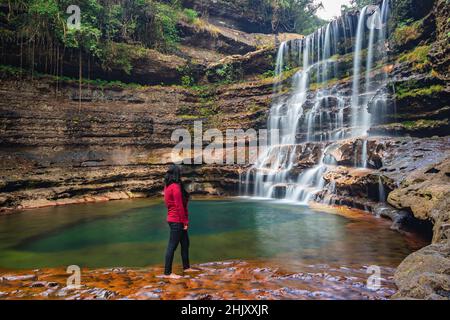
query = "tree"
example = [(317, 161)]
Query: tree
[(289, 15), (362, 3), (298, 15)]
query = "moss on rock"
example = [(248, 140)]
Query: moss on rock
[(418, 57)]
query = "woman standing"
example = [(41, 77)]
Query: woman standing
[(176, 199)]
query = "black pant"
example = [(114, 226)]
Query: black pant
[(177, 235)]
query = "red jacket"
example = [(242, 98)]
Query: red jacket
[(176, 207)]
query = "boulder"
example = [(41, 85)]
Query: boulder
[(238, 67), (231, 14), (349, 152), (425, 274), (426, 193)]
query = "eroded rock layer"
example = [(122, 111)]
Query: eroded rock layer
[(115, 144)]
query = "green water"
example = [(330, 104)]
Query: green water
[(134, 233)]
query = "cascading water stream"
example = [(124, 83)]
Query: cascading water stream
[(310, 121)]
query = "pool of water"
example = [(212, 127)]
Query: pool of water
[(134, 234)]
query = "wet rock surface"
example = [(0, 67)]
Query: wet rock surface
[(231, 14), (218, 280), (426, 192), (390, 160), (116, 144)]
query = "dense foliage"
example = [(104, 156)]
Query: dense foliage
[(151, 23), (288, 15), (113, 32), (357, 4)]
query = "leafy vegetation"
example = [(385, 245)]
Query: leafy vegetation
[(151, 23), (166, 19), (226, 73), (190, 15), (207, 104), (187, 76), (120, 56), (107, 27), (187, 81), (268, 74), (357, 4), (409, 10), (11, 71), (411, 125), (287, 15)]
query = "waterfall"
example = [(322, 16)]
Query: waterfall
[(318, 113), (357, 61), (361, 118)]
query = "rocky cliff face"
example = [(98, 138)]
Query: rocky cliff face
[(112, 140), (407, 174), (48, 125), (113, 145), (235, 14), (424, 96)]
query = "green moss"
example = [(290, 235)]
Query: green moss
[(210, 109), (166, 19), (203, 91), (120, 56), (422, 123), (270, 77), (320, 85), (253, 108), (208, 106), (10, 71), (405, 33), (418, 57), (268, 74), (117, 84), (189, 15), (187, 81), (405, 92), (187, 75)]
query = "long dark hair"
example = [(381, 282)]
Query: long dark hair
[(173, 175)]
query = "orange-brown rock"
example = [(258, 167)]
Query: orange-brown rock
[(216, 280)]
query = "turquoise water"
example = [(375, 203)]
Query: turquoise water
[(134, 234)]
